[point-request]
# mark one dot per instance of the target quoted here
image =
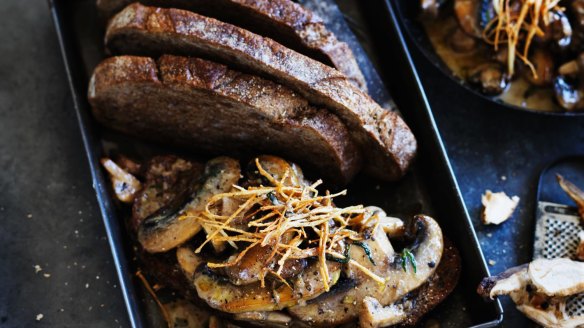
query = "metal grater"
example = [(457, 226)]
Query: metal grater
[(556, 235)]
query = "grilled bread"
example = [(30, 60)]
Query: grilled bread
[(387, 144), (282, 20), (203, 105)]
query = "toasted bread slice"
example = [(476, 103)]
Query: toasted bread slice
[(205, 106), (282, 20), (436, 289), (386, 142)]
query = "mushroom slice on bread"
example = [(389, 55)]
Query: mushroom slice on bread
[(262, 244)]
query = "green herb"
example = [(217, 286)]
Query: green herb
[(348, 257), (365, 249), (339, 260), (406, 256)]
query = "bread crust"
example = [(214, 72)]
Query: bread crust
[(282, 20), (385, 140), (203, 105)]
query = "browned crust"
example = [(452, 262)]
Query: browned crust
[(386, 142), (205, 106), (438, 287), (282, 20)]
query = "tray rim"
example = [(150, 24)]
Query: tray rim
[(90, 139), (120, 256), (424, 103)]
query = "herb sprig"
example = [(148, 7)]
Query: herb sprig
[(408, 256)]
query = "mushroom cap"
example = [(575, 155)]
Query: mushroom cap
[(557, 277)]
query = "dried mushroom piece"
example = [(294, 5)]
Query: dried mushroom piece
[(574, 192), (125, 185), (497, 207), (540, 290)]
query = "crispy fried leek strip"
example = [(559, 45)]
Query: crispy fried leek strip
[(516, 30), (283, 216), (163, 309)]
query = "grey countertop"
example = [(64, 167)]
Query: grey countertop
[(55, 263), (48, 209)]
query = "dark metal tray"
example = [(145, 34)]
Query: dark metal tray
[(430, 187)]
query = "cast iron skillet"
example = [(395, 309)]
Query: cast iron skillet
[(408, 12)]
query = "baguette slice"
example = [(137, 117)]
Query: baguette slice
[(385, 140), (202, 105), (282, 20)]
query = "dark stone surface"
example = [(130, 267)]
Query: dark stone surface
[(491, 147), (50, 217), (48, 208)]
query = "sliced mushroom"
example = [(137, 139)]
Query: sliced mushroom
[(374, 315), (543, 62), (472, 15), (489, 77), (575, 10), (392, 226), (461, 42), (125, 185), (378, 258), (249, 269), (568, 85), (540, 290), (165, 177), (568, 94), (277, 167), (340, 307), (559, 30), (263, 319), (177, 223), (570, 68), (222, 295), (188, 261)]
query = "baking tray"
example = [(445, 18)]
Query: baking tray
[(430, 187)]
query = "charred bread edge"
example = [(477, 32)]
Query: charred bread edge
[(386, 141), (282, 20), (334, 156)]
